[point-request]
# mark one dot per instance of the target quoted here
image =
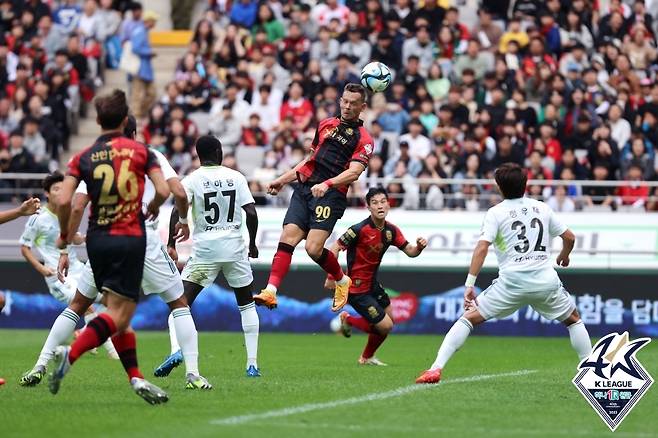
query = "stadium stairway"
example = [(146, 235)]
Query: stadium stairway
[(164, 65)]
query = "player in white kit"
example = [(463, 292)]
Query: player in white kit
[(216, 194), (41, 233), (160, 276), (521, 230)]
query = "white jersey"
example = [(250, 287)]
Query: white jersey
[(217, 195), (149, 189), (522, 230), (41, 232)]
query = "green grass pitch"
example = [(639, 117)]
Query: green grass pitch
[(307, 381)]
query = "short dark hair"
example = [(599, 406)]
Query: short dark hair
[(374, 191), (52, 179), (130, 130), (209, 149), (511, 180), (356, 88), (111, 109)]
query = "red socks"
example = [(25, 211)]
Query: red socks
[(281, 263), (360, 323), (374, 341), (126, 346), (329, 263), (97, 331)]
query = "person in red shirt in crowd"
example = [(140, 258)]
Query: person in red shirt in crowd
[(366, 243), (552, 146), (298, 107), (253, 134), (536, 55), (296, 42), (635, 194)]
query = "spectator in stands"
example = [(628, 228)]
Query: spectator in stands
[(412, 165), (227, 127), (143, 86), (253, 134), (635, 194), (68, 15), (243, 13), (419, 145), (560, 202), (640, 153), (34, 143)]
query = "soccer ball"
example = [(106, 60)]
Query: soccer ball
[(376, 77)]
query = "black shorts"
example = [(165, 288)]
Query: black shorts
[(371, 305), (117, 263), (310, 213)]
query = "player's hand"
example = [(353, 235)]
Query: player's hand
[(253, 251), (152, 211), (470, 300), (78, 239), (182, 232), (319, 190), (63, 267), (274, 187), (563, 260), (329, 283), (172, 253), (46, 271), (421, 243), (30, 207)]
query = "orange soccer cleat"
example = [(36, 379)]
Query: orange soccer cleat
[(266, 298), (341, 294), (430, 376)]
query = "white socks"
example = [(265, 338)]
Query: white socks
[(342, 281), (173, 340), (580, 339), (61, 330), (453, 341), (188, 338), (250, 326), (271, 288)]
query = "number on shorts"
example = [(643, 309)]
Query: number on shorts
[(322, 212), (524, 243)]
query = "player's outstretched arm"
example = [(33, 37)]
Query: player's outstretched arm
[(345, 178), (28, 255), (27, 208), (275, 186), (415, 250), (568, 242), (182, 205), (252, 228)]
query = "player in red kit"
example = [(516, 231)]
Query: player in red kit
[(340, 152), (366, 243), (114, 169)]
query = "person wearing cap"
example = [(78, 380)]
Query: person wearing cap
[(143, 86)]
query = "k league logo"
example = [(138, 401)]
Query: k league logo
[(612, 379)]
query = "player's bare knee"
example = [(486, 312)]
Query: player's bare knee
[(385, 326), (79, 304), (177, 303), (314, 249), (572, 319)]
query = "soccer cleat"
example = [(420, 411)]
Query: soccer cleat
[(195, 381), (169, 364), (148, 391), (60, 367), (252, 371), (345, 327), (266, 298), (371, 361), (33, 377), (429, 376), (341, 294)]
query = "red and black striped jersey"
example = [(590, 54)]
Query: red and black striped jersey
[(336, 144), (114, 169), (365, 245)]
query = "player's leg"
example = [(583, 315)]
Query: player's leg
[(239, 276), (295, 228), (325, 212), (291, 235), (376, 319), (61, 330), (494, 302), (381, 330), (557, 305)]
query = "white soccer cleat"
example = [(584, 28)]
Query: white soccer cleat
[(60, 367), (371, 361), (148, 391)]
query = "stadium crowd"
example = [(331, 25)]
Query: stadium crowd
[(566, 88)]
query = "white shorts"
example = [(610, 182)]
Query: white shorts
[(238, 273), (161, 277), (498, 302), (63, 292)]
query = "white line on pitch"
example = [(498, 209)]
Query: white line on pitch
[(240, 419)]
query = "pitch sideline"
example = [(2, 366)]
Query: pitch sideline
[(241, 419)]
